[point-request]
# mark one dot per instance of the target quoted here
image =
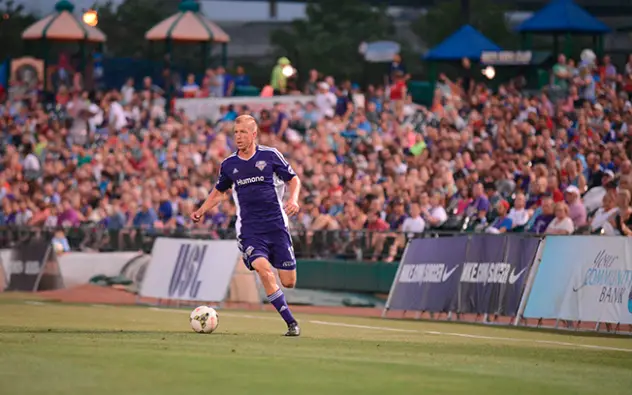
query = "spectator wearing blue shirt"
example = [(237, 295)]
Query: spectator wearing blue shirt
[(116, 219), (241, 79), (280, 119), (60, 242), (146, 217), (610, 135), (502, 223)]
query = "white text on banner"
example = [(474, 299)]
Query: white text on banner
[(186, 269), (584, 278)]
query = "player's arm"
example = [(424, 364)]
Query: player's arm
[(211, 201), (295, 188), (217, 195), (283, 169)]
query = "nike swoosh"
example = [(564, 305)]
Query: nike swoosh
[(513, 277), (447, 274)]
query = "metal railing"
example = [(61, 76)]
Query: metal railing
[(334, 244)]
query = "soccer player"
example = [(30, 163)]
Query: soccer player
[(258, 175)]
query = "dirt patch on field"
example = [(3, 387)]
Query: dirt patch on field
[(94, 294)]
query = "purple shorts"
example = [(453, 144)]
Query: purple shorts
[(276, 247)]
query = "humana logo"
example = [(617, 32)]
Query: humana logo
[(250, 180)]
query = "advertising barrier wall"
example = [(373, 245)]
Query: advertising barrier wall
[(195, 270), (483, 274), (79, 267), (5, 257), (33, 267), (583, 278), (208, 108)]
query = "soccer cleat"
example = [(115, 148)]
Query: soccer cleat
[(293, 330)]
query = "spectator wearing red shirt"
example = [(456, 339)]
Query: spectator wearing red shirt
[(398, 90), (553, 190)]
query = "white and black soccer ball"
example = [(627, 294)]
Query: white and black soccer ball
[(204, 319)]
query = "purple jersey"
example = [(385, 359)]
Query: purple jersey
[(258, 188)]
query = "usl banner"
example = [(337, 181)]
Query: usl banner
[(33, 267), (482, 274), (184, 269), (583, 278)]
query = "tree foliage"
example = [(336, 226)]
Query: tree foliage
[(446, 17), (126, 25), (13, 21), (329, 38)]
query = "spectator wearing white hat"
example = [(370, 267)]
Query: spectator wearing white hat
[(576, 209), (325, 100)]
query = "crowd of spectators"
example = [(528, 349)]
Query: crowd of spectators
[(478, 160)]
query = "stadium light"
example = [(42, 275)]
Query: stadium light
[(288, 71), (90, 18), (489, 72)]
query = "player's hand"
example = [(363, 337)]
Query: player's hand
[(291, 207), (196, 216)]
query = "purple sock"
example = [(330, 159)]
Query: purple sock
[(278, 301)]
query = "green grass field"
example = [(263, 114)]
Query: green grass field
[(49, 348)]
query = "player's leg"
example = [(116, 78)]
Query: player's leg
[(282, 258), (275, 294), (288, 278)]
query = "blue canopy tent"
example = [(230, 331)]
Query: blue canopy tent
[(563, 17), (466, 42)]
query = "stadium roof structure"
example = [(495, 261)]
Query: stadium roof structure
[(62, 25), (466, 42), (188, 25), (563, 16)]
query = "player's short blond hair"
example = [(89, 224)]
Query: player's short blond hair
[(249, 121)]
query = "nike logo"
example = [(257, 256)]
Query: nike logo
[(513, 277), (448, 273), (578, 288)]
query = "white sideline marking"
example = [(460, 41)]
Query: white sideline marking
[(101, 305), (167, 310), (379, 328), (455, 334), (34, 303), (552, 342)]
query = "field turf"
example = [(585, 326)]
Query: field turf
[(56, 349)]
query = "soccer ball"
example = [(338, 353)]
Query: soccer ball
[(204, 319)]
